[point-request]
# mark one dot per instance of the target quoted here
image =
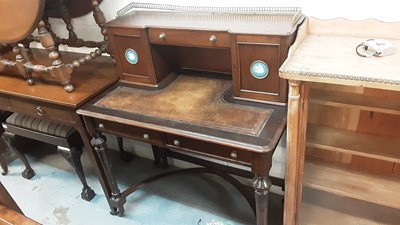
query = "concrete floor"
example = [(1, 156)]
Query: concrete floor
[(52, 196)]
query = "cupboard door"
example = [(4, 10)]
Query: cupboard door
[(133, 56)]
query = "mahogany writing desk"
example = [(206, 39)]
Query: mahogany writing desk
[(203, 83), (49, 101)]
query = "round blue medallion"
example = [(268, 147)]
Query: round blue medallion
[(131, 56), (259, 69)]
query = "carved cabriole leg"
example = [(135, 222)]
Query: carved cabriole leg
[(59, 70), (28, 173), (3, 162), (261, 164), (295, 154), (73, 157), (117, 200)]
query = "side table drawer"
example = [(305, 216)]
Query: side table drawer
[(210, 149), (218, 39), (41, 110), (136, 133), (5, 103)]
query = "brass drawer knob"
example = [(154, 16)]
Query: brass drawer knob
[(176, 143), (212, 38), (234, 155), (101, 126), (39, 111), (162, 36), (146, 136)]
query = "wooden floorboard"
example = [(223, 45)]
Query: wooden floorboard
[(10, 217)]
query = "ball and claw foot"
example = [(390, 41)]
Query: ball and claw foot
[(87, 194), (28, 174)]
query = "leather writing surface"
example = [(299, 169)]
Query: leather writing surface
[(192, 100)]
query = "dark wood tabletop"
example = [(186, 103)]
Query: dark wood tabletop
[(88, 80)]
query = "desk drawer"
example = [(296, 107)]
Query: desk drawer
[(218, 39), (43, 111), (136, 133), (5, 103), (210, 149)]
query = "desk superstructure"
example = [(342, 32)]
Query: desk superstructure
[(204, 83), (164, 42)]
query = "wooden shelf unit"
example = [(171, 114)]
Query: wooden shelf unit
[(335, 181), (351, 142), (370, 191), (350, 183), (353, 89), (355, 100), (320, 207)]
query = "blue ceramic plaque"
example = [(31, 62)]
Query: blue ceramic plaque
[(131, 56), (259, 69)]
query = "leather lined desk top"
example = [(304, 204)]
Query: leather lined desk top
[(193, 106), (190, 99)]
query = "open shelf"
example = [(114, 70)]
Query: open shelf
[(324, 208), (351, 142), (355, 100), (350, 183)]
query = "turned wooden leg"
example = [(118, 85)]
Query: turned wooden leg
[(117, 200), (160, 156), (73, 157), (59, 70), (124, 155), (261, 187), (28, 173), (261, 165)]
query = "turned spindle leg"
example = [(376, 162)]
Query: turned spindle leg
[(261, 185), (20, 62), (117, 200), (59, 70), (261, 165)]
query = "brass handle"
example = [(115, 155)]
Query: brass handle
[(234, 154), (162, 36), (101, 126), (176, 143), (146, 136), (39, 111), (213, 38)]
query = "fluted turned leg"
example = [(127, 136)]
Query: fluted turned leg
[(117, 200), (73, 156), (261, 187)]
